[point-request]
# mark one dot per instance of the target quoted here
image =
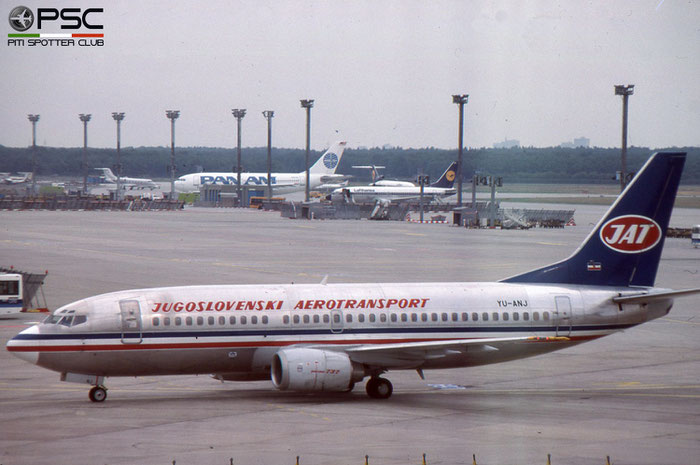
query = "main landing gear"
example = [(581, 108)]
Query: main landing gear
[(379, 388), (98, 394)]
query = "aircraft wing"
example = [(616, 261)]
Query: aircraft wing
[(413, 354), (328, 178), (645, 297)]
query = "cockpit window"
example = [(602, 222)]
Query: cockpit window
[(52, 319), (65, 318)]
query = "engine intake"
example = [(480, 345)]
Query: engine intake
[(314, 370)]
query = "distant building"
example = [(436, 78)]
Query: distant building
[(578, 142), (507, 144)]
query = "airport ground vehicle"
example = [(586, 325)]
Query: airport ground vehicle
[(11, 293)]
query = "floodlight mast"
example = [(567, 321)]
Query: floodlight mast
[(118, 117), (239, 114), (625, 91), (33, 119), (172, 116), (460, 100), (85, 118), (269, 114), (308, 104)]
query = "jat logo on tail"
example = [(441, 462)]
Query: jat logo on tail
[(630, 234)]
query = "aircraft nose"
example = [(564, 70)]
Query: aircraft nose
[(21, 346)]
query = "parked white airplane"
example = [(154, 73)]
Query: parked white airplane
[(378, 179), (22, 177), (327, 337), (321, 172), (126, 182), (391, 192)]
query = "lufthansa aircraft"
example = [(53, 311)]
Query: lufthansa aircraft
[(321, 172), (327, 337), (388, 191)]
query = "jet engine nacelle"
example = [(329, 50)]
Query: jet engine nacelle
[(314, 370)]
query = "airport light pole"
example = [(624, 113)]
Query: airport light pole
[(33, 119), (460, 100), (172, 116), (625, 91), (85, 118), (269, 114), (308, 104), (239, 114), (118, 117)]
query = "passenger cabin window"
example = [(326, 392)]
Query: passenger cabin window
[(254, 320), (465, 316), (455, 317), (200, 320), (393, 317), (545, 316), (243, 320), (317, 319), (506, 316), (307, 319), (536, 316), (516, 316), (222, 320), (296, 319), (485, 316), (348, 318), (166, 321), (372, 317), (475, 316), (265, 319), (156, 321), (444, 317), (526, 316), (232, 320), (423, 317), (404, 317), (361, 318), (382, 317), (178, 321), (494, 315), (285, 319), (326, 318), (188, 321), (414, 317)]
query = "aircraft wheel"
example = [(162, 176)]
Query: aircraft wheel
[(98, 394), (379, 388)]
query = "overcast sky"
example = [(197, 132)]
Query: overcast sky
[(381, 72)]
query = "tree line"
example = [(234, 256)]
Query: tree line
[(521, 164)]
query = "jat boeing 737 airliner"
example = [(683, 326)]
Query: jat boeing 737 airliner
[(327, 337), (321, 172)]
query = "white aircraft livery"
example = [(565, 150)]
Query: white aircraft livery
[(321, 172), (327, 337), (388, 191), (126, 182)]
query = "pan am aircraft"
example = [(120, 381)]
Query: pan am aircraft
[(327, 337), (321, 172)]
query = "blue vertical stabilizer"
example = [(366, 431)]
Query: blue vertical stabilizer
[(625, 246)]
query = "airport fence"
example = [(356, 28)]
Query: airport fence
[(89, 203), (424, 461)]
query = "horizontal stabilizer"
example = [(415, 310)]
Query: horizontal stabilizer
[(652, 296)]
